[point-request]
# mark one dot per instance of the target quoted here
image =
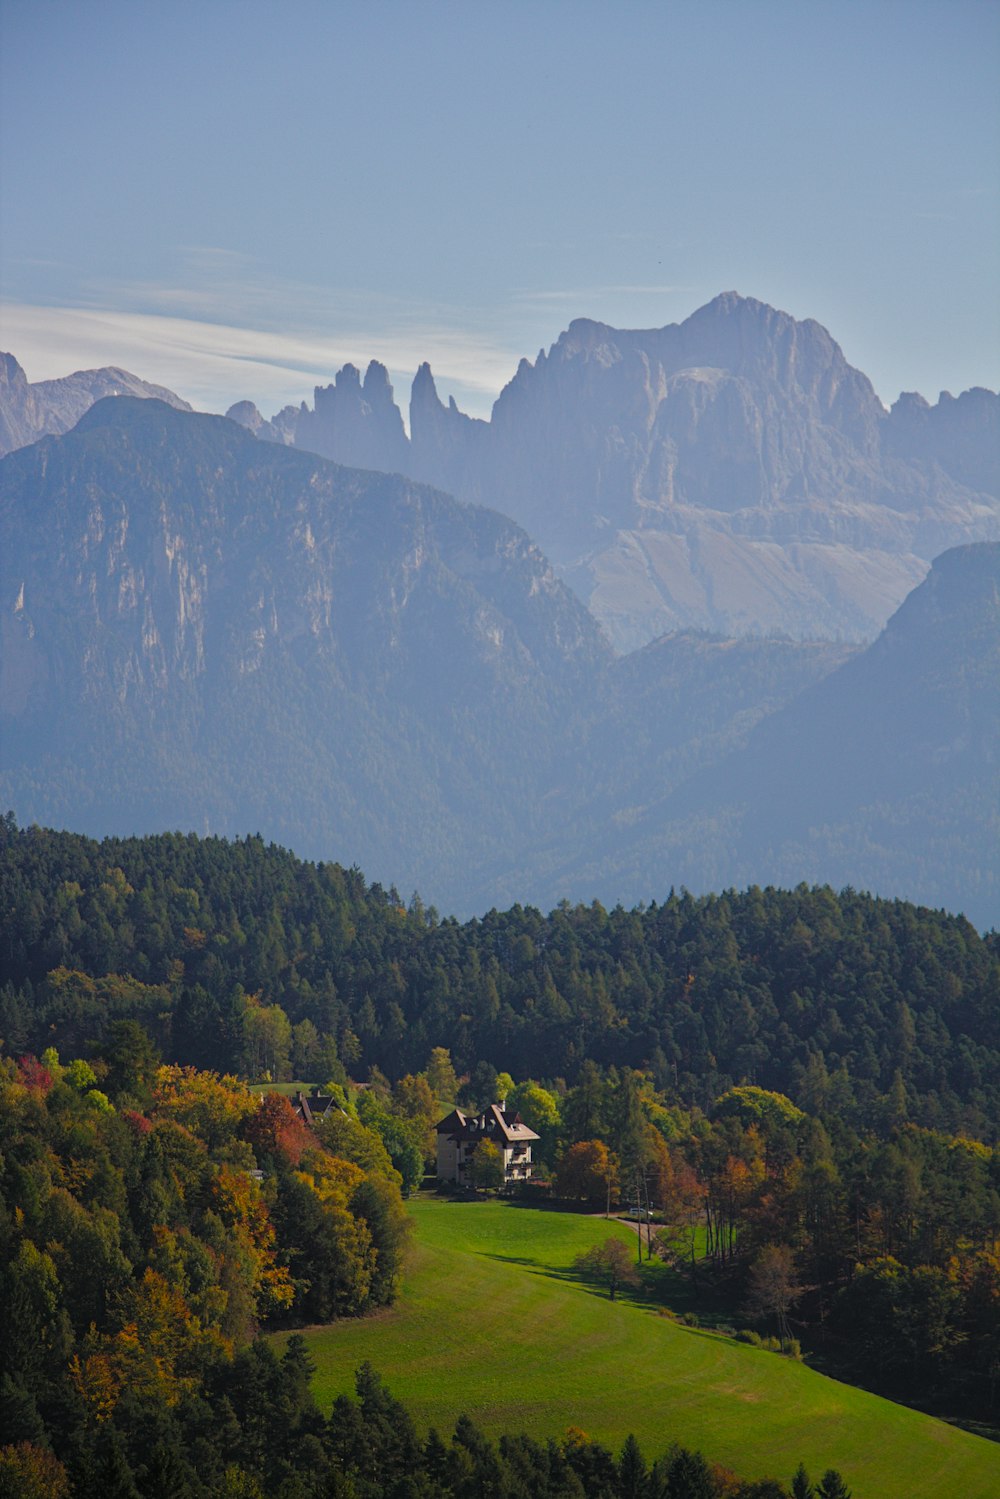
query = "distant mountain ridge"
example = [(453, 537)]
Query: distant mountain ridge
[(732, 472), (198, 627), (50, 407), (204, 631), (883, 774)]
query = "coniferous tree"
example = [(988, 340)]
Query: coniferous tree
[(632, 1474), (832, 1486), (689, 1477), (801, 1487)]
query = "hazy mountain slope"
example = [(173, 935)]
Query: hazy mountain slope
[(203, 630), (731, 473), (885, 775), (655, 719), (49, 407)]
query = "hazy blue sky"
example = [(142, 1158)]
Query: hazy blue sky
[(233, 196)]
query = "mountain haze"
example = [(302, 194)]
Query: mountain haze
[(883, 775), (50, 407), (206, 631), (732, 472)]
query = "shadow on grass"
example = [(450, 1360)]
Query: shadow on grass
[(665, 1287), (649, 1295), (464, 1198)]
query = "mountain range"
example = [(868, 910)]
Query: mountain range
[(731, 473), (204, 630), (48, 407)]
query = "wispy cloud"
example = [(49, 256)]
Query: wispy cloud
[(220, 328), (214, 363)]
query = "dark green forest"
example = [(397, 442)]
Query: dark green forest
[(206, 941)]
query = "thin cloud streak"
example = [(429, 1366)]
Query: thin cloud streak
[(213, 364)]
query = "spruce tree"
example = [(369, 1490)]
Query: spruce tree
[(801, 1487), (832, 1486)]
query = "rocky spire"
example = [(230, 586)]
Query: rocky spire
[(357, 424)]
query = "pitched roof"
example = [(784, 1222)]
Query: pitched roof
[(312, 1107), (493, 1121)]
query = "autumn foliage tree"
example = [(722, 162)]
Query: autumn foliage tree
[(274, 1129), (487, 1170), (774, 1286), (588, 1171)]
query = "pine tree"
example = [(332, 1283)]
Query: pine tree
[(631, 1470), (832, 1486), (801, 1487), (689, 1477)]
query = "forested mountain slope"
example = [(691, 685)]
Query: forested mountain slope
[(782, 988), (203, 630)]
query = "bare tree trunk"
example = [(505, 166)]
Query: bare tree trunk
[(649, 1232)]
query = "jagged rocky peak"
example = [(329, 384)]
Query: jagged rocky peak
[(727, 472), (346, 380), (21, 417), (377, 386), (423, 391), (583, 336), (354, 423), (447, 446), (750, 338), (959, 433), (11, 372), (427, 406), (246, 413)]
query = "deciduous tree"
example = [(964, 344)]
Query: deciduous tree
[(487, 1167), (610, 1262)]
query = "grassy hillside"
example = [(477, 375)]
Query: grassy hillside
[(494, 1321)]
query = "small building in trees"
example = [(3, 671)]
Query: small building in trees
[(311, 1106), (459, 1134)]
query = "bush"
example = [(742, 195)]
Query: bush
[(790, 1347)]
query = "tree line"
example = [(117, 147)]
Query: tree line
[(238, 957)]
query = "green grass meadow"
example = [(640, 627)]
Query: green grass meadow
[(493, 1321)]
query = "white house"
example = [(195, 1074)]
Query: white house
[(459, 1134)]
